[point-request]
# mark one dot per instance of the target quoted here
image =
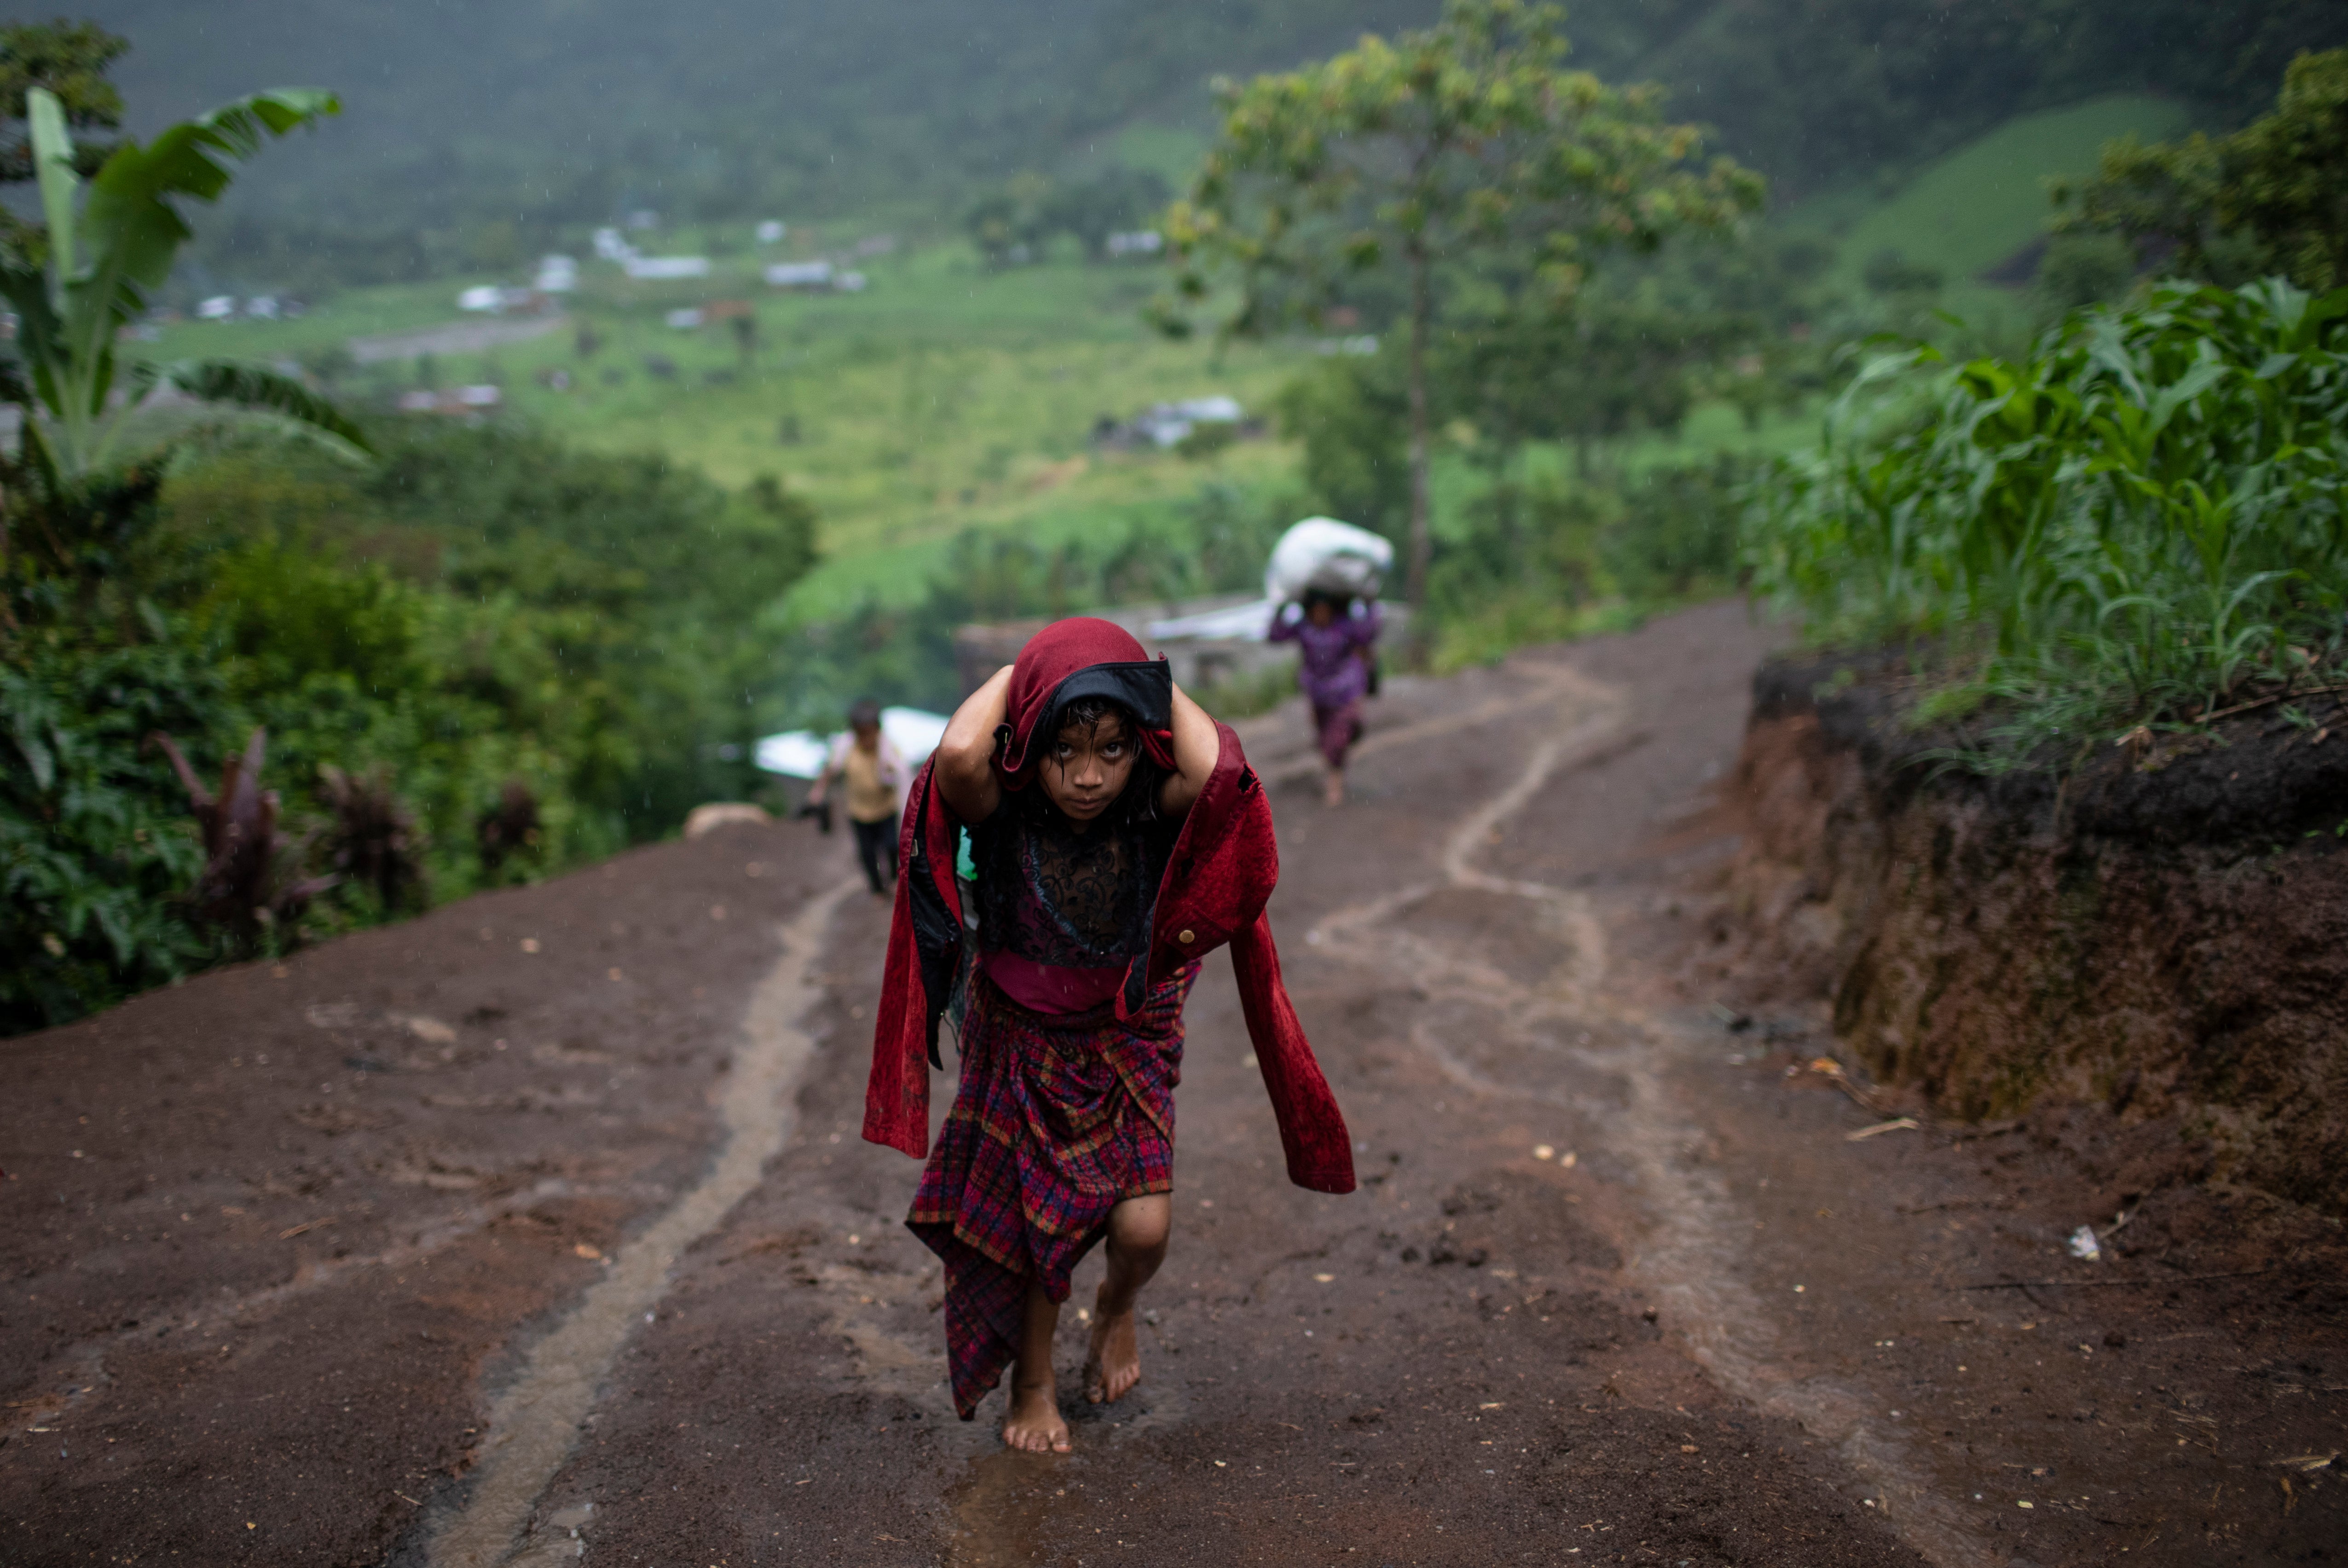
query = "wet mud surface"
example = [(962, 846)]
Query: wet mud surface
[(1616, 1287)]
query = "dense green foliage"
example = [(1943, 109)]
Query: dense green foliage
[(95, 844), (481, 609), (476, 135), (486, 604), (2142, 522), (2270, 198)]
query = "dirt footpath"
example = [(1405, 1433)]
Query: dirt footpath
[(492, 1255)]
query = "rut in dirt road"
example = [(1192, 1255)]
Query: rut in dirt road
[(537, 1418)]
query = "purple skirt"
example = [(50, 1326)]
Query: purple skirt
[(1057, 1120)]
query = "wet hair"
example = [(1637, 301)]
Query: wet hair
[(863, 713), (1138, 802)]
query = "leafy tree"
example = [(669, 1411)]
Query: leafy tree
[(2272, 197), (1464, 138), (70, 60), (1522, 374)]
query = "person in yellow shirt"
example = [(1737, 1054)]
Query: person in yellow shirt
[(876, 777)]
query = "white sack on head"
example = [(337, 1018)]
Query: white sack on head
[(1324, 554)]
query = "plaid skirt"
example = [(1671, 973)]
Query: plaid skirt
[(1059, 1118)]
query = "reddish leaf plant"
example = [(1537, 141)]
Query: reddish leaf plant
[(241, 889)]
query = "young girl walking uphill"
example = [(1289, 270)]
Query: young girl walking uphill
[(1118, 837)]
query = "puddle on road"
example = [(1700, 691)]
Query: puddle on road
[(534, 1423), (1002, 1508), (998, 1514)]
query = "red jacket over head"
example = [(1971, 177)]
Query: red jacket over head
[(1220, 877)]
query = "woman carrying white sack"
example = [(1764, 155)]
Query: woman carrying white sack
[(1328, 573)]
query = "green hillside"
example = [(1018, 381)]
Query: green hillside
[(945, 397), (476, 134), (1979, 206), (948, 396)]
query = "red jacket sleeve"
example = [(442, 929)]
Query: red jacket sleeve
[(1312, 1128), (897, 1095), (1226, 865)]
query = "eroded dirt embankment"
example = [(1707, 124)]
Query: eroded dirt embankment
[(2163, 933)]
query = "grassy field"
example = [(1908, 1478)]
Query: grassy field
[(943, 398), (1983, 203)]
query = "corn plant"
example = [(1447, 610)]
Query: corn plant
[(2141, 523)]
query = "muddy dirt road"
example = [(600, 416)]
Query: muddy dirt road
[(539, 1230)]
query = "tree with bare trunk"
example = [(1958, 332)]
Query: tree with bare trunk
[(1466, 140)]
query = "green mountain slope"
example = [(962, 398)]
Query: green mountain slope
[(1982, 205), (534, 112), (475, 129)]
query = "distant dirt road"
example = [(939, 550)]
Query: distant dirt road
[(539, 1229)]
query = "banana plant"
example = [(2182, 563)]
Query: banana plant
[(107, 251)]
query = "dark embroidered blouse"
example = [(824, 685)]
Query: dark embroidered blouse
[(1062, 899)]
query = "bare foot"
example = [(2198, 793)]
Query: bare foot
[(1333, 790), (1034, 1424), (1114, 1364)]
